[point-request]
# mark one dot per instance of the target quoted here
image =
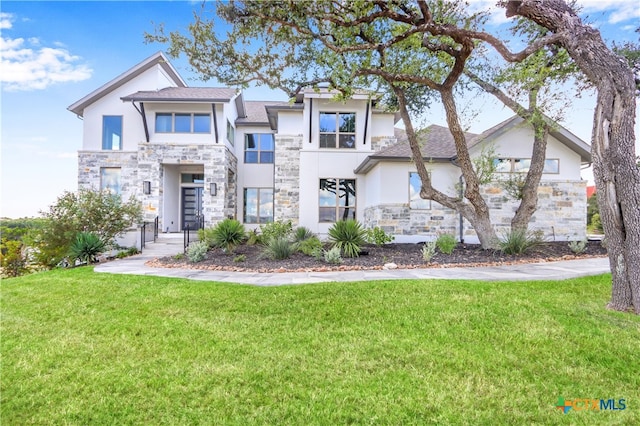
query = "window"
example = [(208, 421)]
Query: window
[(522, 165), (337, 128), (192, 178), (110, 179), (112, 132), (183, 123), (415, 185), (230, 133), (337, 199), (258, 205), (258, 148)]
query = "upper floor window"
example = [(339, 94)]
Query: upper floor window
[(167, 122), (337, 199), (230, 133), (112, 132), (258, 148), (110, 179), (415, 201), (337, 130), (522, 165)]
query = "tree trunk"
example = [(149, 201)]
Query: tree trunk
[(613, 143)]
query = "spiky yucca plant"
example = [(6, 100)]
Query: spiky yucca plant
[(348, 236)]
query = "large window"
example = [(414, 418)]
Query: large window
[(112, 132), (258, 148), (110, 179), (167, 122), (258, 205), (337, 130), (337, 199), (522, 165), (415, 185)]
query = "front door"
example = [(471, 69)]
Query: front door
[(192, 208)]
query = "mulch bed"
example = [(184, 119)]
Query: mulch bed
[(406, 256)]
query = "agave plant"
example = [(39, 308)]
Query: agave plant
[(227, 234), (86, 247), (348, 236)]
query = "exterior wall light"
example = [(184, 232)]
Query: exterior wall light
[(146, 187), (213, 189)]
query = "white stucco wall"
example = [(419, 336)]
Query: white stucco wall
[(111, 104)]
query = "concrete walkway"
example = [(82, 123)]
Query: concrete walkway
[(171, 245)]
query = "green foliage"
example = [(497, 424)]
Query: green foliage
[(226, 234), (310, 246), (277, 229), (12, 259), (99, 212), (253, 238), (240, 258), (348, 236), (484, 164), (377, 236), (86, 248), (197, 251), (17, 229), (179, 256), (302, 234), (592, 210), (596, 223), (514, 185), (446, 243), (428, 251), (520, 241), (128, 252), (333, 255), (578, 246), (278, 248)]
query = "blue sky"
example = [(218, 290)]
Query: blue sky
[(54, 53)]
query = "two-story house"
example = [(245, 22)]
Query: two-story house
[(196, 155)]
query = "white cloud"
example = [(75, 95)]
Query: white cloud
[(26, 65), (618, 10), (6, 20)]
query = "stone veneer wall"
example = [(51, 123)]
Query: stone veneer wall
[(561, 214), (216, 159), (380, 142), (90, 163), (286, 191)]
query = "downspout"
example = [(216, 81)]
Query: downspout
[(215, 122), (144, 118), (310, 118), (366, 123)]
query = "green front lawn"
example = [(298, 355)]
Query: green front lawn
[(85, 348)]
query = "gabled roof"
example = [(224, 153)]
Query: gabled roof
[(437, 143), (153, 60), (256, 112), (184, 94)]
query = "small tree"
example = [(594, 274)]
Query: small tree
[(99, 212)]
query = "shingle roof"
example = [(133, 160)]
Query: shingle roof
[(256, 112), (184, 94), (436, 143)]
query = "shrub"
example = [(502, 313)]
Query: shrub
[(377, 236), (428, 251), (310, 246), (99, 212), (278, 248), (197, 251), (240, 258), (253, 237), (302, 234), (596, 223), (86, 247), (446, 243), (520, 241), (277, 229), (12, 259), (578, 246), (333, 256), (348, 236), (227, 234)]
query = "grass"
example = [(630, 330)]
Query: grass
[(85, 348)]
